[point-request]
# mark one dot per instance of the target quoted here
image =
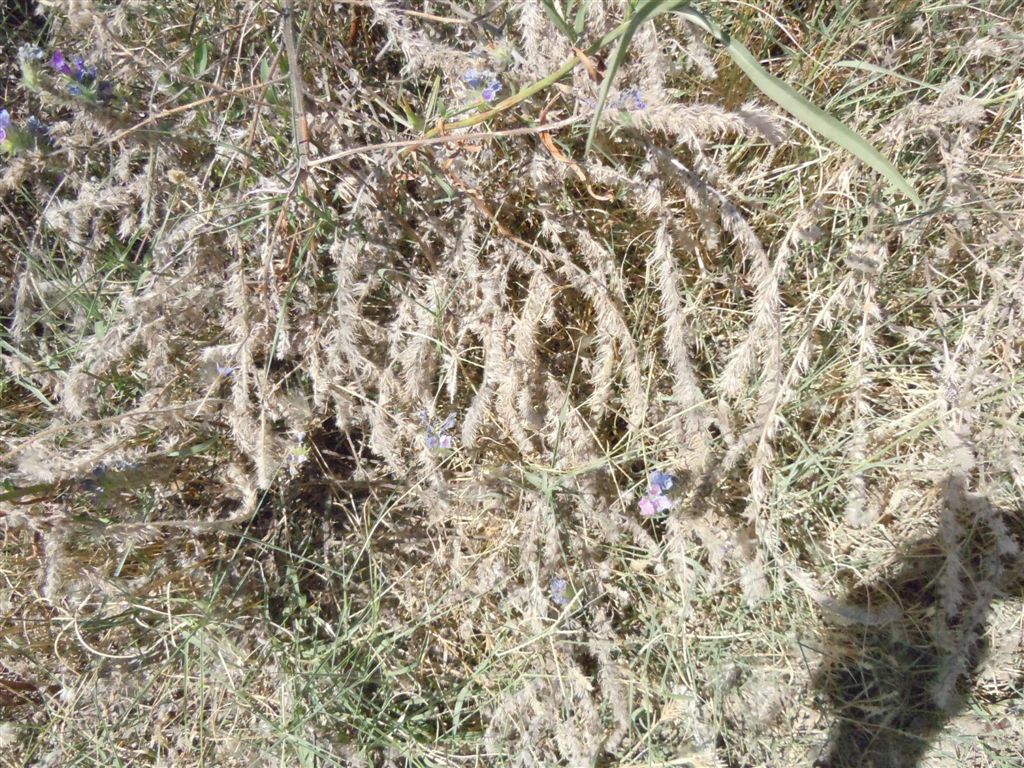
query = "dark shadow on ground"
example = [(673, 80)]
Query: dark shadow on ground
[(895, 678)]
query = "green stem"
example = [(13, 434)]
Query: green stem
[(540, 85)]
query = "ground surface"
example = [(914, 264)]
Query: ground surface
[(349, 467)]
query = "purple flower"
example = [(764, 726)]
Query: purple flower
[(476, 79), (83, 74), (631, 101), (491, 91), (438, 438), (486, 82), (557, 590), (225, 370), (36, 128), (80, 72), (656, 501), (5, 123), (59, 63), (653, 503), (660, 482)]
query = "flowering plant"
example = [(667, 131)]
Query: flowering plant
[(439, 438), (485, 82), (656, 501), (83, 78), (14, 139)]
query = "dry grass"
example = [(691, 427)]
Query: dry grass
[(227, 539)]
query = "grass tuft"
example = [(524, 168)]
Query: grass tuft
[(353, 417)]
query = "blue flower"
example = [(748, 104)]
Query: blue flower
[(439, 438), (36, 128), (631, 101), (83, 74), (660, 482), (59, 63), (656, 501), (5, 123), (476, 79), (557, 590), (484, 81), (491, 91)]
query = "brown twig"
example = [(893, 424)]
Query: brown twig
[(446, 139)]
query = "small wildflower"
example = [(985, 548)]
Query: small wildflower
[(652, 504), (475, 79), (60, 64), (660, 481), (557, 590), (631, 101), (439, 438), (225, 370), (14, 139), (656, 501), (83, 76), (84, 73), (484, 81), (36, 127), (490, 93)]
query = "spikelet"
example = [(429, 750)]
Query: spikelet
[(676, 341), (418, 50), (868, 259), (693, 125), (542, 51)]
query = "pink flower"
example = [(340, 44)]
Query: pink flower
[(653, 503), (647, 508), (656, 501)]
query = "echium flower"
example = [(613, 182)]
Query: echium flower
[(656, 501), (36, 128), (83, 76), (81, 72), (438, 438), (558, 591), (484, 81), (30, 57), (631, 101), (13, 139)]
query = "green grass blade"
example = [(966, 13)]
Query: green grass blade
[(803, 110), (581, 18), (778, 91), (643, 13), (556, 18)]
